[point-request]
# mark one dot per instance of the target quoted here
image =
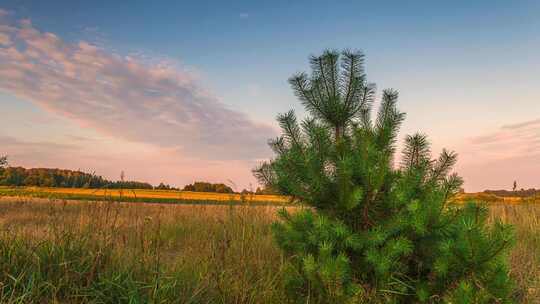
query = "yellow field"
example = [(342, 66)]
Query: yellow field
[(180, 196), (161, 194), (189, 195)]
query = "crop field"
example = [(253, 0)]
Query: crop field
[(140, 195), (110, 252), (187, 197)]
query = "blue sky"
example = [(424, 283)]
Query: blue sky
[(467, 71)]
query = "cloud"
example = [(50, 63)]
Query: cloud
[(120, 96), (513, 140), (4, 39), (9, 142), (244, 15), (43, 151), (531, 123), (496, 159)]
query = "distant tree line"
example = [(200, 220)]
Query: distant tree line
[(44, 177), (163, 186), (208, 187)]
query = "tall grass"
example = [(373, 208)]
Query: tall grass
[(128, 253), (525, 258), (69, 252)]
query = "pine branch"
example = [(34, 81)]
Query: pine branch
[(278, 145), (416, 152), (291, 130), (331, 60), (444, 164), (319, 72), (264, 174), (299, 83), (389, 120)]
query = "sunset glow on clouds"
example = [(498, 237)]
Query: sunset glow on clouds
[(510, 153), (75, 100), (124, 98), (515, 140), (154, 105)]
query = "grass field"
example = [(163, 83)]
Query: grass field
[(104, 252)]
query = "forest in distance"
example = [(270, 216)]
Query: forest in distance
[(63, 178)]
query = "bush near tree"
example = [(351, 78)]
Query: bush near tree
[(376, 232)]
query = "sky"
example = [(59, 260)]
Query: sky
[(179, 91)]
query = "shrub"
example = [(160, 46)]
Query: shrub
[(208, 187), (376, 231)]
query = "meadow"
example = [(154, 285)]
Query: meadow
[(57, 251)]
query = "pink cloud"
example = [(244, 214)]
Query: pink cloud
[(122, 97), (496, 159), (516, 140), (4, 39), (527, 124), (43, 151)]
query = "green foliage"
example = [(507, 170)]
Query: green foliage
[(44, 177), (163, 186), (378, 232), (208, 187)]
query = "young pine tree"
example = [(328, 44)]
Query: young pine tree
[(375, 231)]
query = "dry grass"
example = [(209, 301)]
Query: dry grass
[(525, 258), (102, 252), (492, 198), (89, 252)]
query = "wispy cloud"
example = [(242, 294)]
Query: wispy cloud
[(527, 124), (513, 140), (496, 159), (4, 39), (120, 96), (42, 151), (244, 15)]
